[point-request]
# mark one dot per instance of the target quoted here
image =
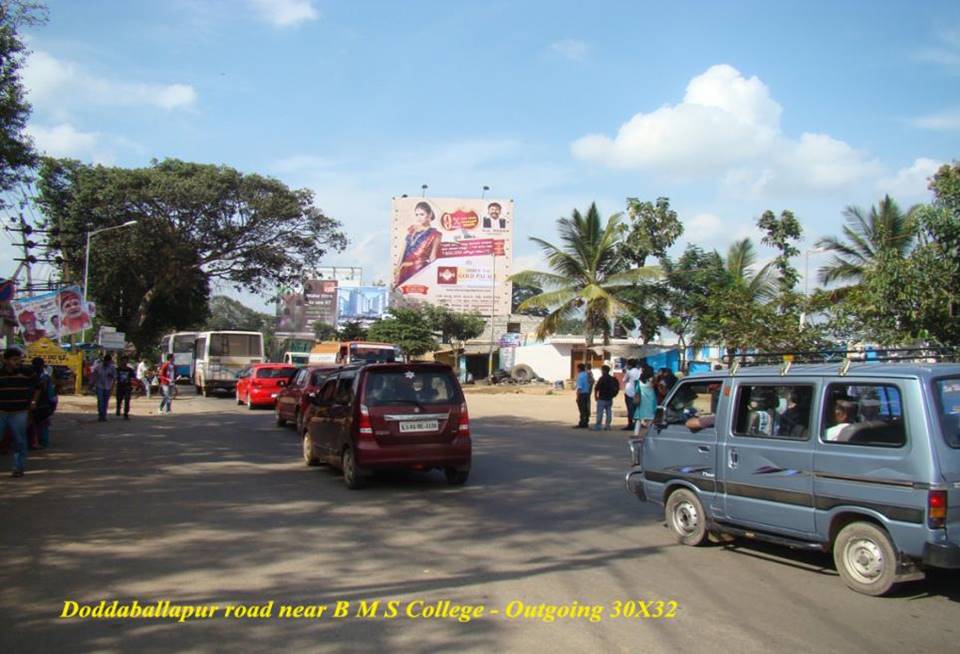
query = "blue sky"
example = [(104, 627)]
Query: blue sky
[(726, 108)]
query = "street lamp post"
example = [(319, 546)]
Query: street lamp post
[(86, 261), (806, 277)]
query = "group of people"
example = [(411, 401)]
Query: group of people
[(107, 379), (643, 390), (28, 400)]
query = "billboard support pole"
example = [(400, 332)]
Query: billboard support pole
[(493, 313)]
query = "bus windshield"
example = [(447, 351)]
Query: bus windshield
[(183, 343), (372, 353), (235, 345)]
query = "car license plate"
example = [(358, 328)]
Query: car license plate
[(408, 426)]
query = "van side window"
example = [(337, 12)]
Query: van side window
[(344, 390), (773, 411), (863, 414), (317, 377), (692, 399), (326, 392)]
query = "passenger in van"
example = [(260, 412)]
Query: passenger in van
[(763, 415), (844, 414), (793, 421)]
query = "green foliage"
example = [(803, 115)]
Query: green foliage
[(196, 223), (652, 229), (17, 155), (225, 313), (782, 233), (406, 327), (454, 328), (688, 283), (325, 331), (520, 294), (352, 331)]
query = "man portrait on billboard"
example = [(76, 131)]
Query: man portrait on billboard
[(422, 244), (493, 218)]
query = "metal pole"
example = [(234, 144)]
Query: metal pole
[(86, 279), (493, 313)]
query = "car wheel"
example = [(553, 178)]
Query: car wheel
[(456, 476), (865, 558), (237, 395), (296, 420), (308, 455), (276, 414), (249, 402), (351, 476), (685, 517)]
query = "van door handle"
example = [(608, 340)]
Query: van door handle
[(732, 458), (703, 449)]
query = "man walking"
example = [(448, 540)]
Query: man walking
[(607, 389), (168, 376), (584, 386), (143, 374), (104, 376), (18, 396), (125, 377), (630, 377)]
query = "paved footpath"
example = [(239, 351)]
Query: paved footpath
[(213, 506)]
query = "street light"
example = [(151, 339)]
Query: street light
[(806, 277), (86, 260)]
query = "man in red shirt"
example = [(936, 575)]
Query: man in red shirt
[(168, 376)]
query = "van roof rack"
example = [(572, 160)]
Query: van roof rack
[(846, 357)]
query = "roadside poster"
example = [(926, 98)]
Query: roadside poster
[(453, 252), (54, 355), (362, 303), (298, 310), (53, 315)]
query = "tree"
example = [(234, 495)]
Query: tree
[(407, 328), (352, 331), (652, 229), (197, 223), (455, 329), (17, 155), (782, 233), (866, 236), (687, 286), (520, 294), (590, 276), (225, 313), (325, 331)]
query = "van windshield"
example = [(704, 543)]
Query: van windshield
[(948, 405), (372, 354), (411, 387)]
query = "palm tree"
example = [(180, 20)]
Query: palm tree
[(590, 276), (885, 229), (741, 264)]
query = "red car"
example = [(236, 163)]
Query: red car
[(294, 399), (391, 415), (259, 384)]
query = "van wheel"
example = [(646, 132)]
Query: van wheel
[(308, 456), (865, 558), (686, 518), (456, 476), (351, 476), (276, 414)]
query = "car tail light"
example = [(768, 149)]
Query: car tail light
[(364, 426), (937, 509), (464, 426)]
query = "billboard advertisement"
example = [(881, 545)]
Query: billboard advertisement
[(362, 303), (53, 315), (453, 252), (298, 310)]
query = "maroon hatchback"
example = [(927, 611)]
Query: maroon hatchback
[(393, 415)]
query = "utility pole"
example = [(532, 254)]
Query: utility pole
[(24, 235)]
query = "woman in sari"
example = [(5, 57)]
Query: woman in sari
[(422, 244)]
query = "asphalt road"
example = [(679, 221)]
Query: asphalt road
[(215, 507)]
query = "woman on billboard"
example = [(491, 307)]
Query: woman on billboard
[(422, 244)]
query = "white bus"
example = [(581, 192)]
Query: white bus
[(220, 356), (180, 345)]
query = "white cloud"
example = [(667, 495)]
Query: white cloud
[(944, 121), (571, 49), (285, 13), (56, 84), (728, 126), (704, 226), (910, 183), (63, 140), (946, 52)]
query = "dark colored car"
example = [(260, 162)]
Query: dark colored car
[(391, 415), (260, 383), (294, 399)]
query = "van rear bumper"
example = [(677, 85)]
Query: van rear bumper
[(945, 555)]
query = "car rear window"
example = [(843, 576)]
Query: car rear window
[(276, 373), (948, 405), (411, 387)]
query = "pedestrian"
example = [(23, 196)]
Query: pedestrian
[(584, 384), (664, 381), (168, 376), (103, 379), (607, 389), (646, 402), (630, 377), (125, 377), (18, 396), (47, 401), (145, 375)]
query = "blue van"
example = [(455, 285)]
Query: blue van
[(862, 460)]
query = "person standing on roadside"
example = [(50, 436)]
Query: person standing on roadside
[(607, 389), (630, 377), (125, 377), (145, 376), (584, 385), (103, 378), (168, 375), (646, 402), (47, 401), (19, 394)]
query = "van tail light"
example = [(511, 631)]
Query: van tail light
[(364, 426), (464, 426), (937, 509)]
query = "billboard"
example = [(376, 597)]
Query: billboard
[(298, 310), (53, 315), (362, 303), (453, 252)]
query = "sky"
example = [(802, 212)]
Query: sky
[(726, 108)]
